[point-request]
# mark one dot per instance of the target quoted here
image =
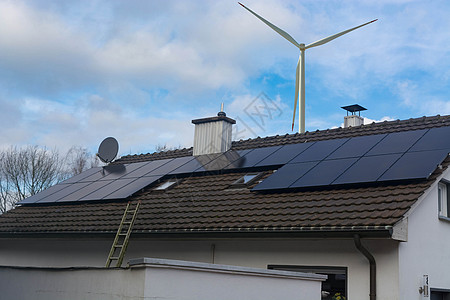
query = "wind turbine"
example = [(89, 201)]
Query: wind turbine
[(300, 72)]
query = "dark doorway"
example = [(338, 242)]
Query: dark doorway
[(335, 285), (439, 294)]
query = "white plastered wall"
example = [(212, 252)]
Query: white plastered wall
[(241, 252), (427, 250)]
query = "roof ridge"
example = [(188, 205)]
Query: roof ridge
[(309, 136)]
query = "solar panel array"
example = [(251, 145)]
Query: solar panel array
[(375, 158), (384, 157)]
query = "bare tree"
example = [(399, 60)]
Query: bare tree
[(79, 159), (163, 148), (27, 171)]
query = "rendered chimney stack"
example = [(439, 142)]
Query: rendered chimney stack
[(353, 120), (213, 135)]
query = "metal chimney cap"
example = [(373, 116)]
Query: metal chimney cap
[(354, 108), (214, 119)]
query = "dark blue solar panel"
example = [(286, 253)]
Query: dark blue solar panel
[(96, 186), (319, 150), (251, 158), (82, 175), (113, 172), (45, 195), (367, 169), (146, 168), (167, 167), (189, 167), (357, 146), (221, 160), (133, 187), (285, 176), (237, 158), (65, 194), (284, 154), (324, 173), (106, 173), (397, 142), (103, 191), (434, 139), (415, 165)]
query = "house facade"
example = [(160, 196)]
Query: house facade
[(365, 205)]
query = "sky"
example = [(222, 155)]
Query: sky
[(75, 72)]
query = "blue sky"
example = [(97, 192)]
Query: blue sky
[(75, 72)]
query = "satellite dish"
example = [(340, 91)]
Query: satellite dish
[(108, 149)]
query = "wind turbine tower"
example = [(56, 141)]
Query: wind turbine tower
[(300, 72)]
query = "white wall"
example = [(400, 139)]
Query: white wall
[(243, 252), (157, 279), (427, 248)]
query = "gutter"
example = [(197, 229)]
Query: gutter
[(323, 232), (373, 267)]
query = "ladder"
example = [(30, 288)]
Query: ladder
[(120, 244)]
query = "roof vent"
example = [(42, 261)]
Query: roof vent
[(353, 120), (213, 135)]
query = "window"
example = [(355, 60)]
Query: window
[(439, 294), (443, 199), (165, 185), (247, 179), (335, 285)]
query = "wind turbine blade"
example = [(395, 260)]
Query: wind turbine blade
[(296, 92), (330, 38), (280, 31)]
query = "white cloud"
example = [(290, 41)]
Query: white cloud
[(75, 72)]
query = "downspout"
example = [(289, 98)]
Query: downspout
[(373, 267)]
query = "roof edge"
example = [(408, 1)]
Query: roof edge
[(323, 232)]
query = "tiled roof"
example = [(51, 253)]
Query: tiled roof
[(208, 204), (318, 135)]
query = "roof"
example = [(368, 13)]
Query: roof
[(308, 136), (208, 204)]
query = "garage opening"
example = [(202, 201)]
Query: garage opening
[(334, 286)]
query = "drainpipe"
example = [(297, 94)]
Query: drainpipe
[(373, 267)]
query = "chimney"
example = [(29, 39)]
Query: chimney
[(353, 120), (213, 135)]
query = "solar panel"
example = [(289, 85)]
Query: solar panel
[(87, 189), (319, 150), (103, 191), (106, 173), (129, 189), (42, 196), (82, 175), (285, 176), (166, 168), (220, 161), (146, 168), (324, 173), (398, 142), (413, 165), (180, 162), (394, 156), (367, 169), (434, 139), (189, 167), (65, 194), (357, 146), (251, 158), (284, 154), (113, 172)]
